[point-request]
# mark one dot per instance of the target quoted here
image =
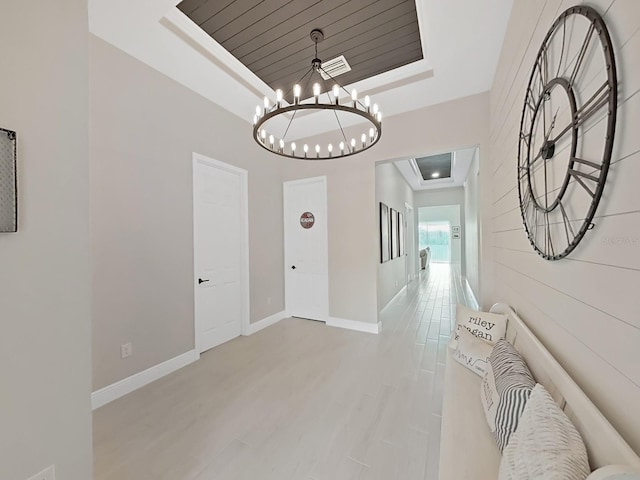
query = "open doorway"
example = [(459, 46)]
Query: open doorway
[(436, 236), (439, 229)]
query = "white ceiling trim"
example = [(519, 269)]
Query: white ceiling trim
[(460, 164), (461, 42)]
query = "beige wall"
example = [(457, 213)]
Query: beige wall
[(353, 227), (45, 356), (584, 308), (144, 129), (392, 190)]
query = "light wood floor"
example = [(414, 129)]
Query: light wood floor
[(298, 401)]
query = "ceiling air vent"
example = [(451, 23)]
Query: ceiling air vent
[(334, 67)]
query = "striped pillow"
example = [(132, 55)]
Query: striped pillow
[(505, 390)]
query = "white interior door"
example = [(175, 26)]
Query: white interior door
[(306, 248), (220, 251)]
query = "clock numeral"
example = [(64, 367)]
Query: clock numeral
[(568, 229), (523, 173), (579, 176), (587, 162), (582, 54), (547, 234), (526, 199), (531, 100), (564, 37), (590, 107)]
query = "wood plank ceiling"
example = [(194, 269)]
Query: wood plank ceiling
[(271, 37)]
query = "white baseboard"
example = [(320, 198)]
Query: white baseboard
[(127, 385), (402, 290), (265, 322), (354, 325)]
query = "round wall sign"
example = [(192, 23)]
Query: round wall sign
[(307, 220)]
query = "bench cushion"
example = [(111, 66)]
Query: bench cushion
[(467, 449)]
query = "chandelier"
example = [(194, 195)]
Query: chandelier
[(340, 145)]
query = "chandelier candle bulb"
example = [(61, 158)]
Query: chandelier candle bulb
[(316, 91), (341, 148), (293, 148), (271, 139), (281, 142), (306, 149), (372, 133), (266, 104), (330, 148), (367, 102), (278, 98), (263, 135), (255, 119), (353, 144), (258, 111), (296, 94), (375, 108), (379, 117), (317, 151), (336, 94), (364, 140), (354, 97)]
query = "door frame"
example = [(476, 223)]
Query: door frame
[(244, 242), (323, 180), (410, 250)]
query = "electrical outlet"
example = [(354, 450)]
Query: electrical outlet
[(47, 474), (126, 350)]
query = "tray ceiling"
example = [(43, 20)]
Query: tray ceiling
[(271, 37)]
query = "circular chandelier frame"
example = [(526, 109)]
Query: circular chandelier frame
[(354, 106)]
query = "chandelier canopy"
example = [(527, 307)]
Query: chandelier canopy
[(340, 146)]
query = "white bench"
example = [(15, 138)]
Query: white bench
[(468, 449)]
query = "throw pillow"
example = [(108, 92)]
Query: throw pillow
[(472, 352), (491, 327), (615, 472), (505, 390), (546, 445)]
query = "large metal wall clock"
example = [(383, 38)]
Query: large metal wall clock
[(566, 132)]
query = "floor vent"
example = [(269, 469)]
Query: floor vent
[(334, 67)]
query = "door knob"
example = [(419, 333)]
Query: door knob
[(293, 267), (202, 281)]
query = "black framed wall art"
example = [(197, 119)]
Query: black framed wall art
[(8, 182), (385, 227), (393, 214)]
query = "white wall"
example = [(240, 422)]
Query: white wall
[(472, 227), (45, 315), (450, 214), (393, 191), (585, 307)]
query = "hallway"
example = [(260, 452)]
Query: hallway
[(297, 400)]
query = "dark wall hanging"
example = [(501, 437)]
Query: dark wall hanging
[(8, 182), (566, 132), (393, 214), (385, 227)]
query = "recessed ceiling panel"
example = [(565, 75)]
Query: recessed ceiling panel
[(271, 37), (435, 166)]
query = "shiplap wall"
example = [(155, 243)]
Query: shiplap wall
[(585, 308)]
